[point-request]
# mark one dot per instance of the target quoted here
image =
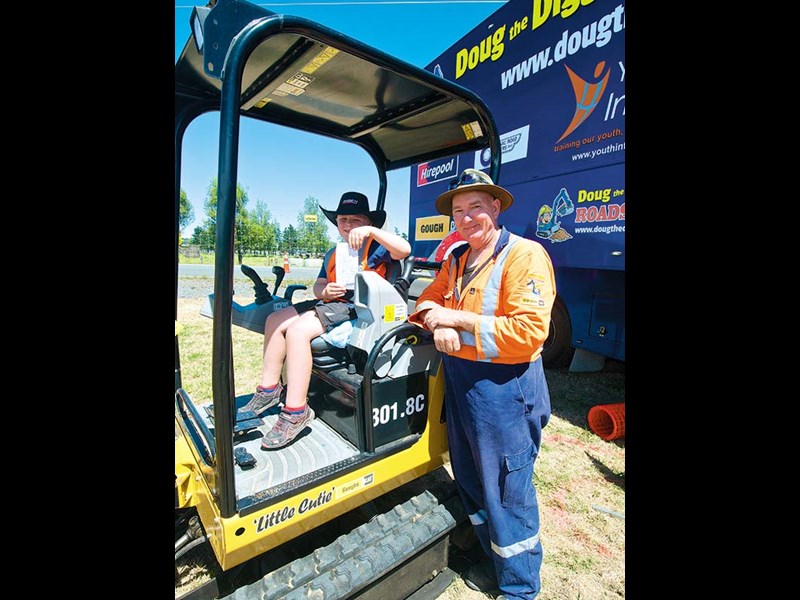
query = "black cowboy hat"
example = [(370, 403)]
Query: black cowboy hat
[(355, 203), (472, 180)]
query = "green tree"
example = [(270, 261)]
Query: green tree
[(241, 225), (203, 238), (313, 235), (261, 214), (186, 211), (264, 229), (402, 235), (278, 237), (290, 240)]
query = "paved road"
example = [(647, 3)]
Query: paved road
[(197, 281), (266, 274)]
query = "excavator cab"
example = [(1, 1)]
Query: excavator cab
[(379, 400)]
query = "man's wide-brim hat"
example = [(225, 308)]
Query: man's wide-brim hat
[(355, 203), (472, 180)]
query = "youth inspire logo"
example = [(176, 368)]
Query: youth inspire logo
[(587, 95)]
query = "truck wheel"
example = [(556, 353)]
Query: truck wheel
[(557, 351)]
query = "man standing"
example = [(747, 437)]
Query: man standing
[(489, 310)]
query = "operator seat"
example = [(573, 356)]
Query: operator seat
[(327, 357)]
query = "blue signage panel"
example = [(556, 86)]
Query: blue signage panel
[(553, 75)]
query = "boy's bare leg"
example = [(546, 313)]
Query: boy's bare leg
[(298, 357), (275, 344)]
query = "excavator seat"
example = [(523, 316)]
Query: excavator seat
[(327, 357)]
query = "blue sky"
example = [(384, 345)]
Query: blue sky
[(294, 165)]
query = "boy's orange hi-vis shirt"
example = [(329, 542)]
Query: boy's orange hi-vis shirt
[(513, 294)]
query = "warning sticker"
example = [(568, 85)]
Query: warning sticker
[(394, 312), (285, 89), (320, 59), (472, 130), (296, 84), (299, 80)]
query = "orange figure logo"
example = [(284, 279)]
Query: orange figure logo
[(587, 96)]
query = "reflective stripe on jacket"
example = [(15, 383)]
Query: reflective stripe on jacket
[(513, 294)]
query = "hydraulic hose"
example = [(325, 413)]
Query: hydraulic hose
[(189, 546)]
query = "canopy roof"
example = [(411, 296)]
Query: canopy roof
[(299, 74)]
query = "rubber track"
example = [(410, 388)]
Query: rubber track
[(358, 558)]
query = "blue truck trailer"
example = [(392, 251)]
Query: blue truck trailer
[(552, 72)]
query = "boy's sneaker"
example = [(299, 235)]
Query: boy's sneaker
[(263, 401), (286, 428)]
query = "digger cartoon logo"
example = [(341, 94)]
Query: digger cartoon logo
[(547, 223)]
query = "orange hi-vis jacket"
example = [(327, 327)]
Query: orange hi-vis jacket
[(513, 293)]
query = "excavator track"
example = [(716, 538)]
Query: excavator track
[(356, 562)]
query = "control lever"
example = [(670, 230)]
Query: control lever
[(403, 282), (279, 274), (262, 291)]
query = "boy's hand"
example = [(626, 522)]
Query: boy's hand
[(358, 235), (333, 290)]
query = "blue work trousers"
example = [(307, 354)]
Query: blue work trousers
[(495, 415)]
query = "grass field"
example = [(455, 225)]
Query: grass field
[(580, 478)]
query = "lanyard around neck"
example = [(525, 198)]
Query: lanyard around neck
[(463, 281)]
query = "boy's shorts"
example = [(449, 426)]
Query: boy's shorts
[(331, 314), (305, 305)]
